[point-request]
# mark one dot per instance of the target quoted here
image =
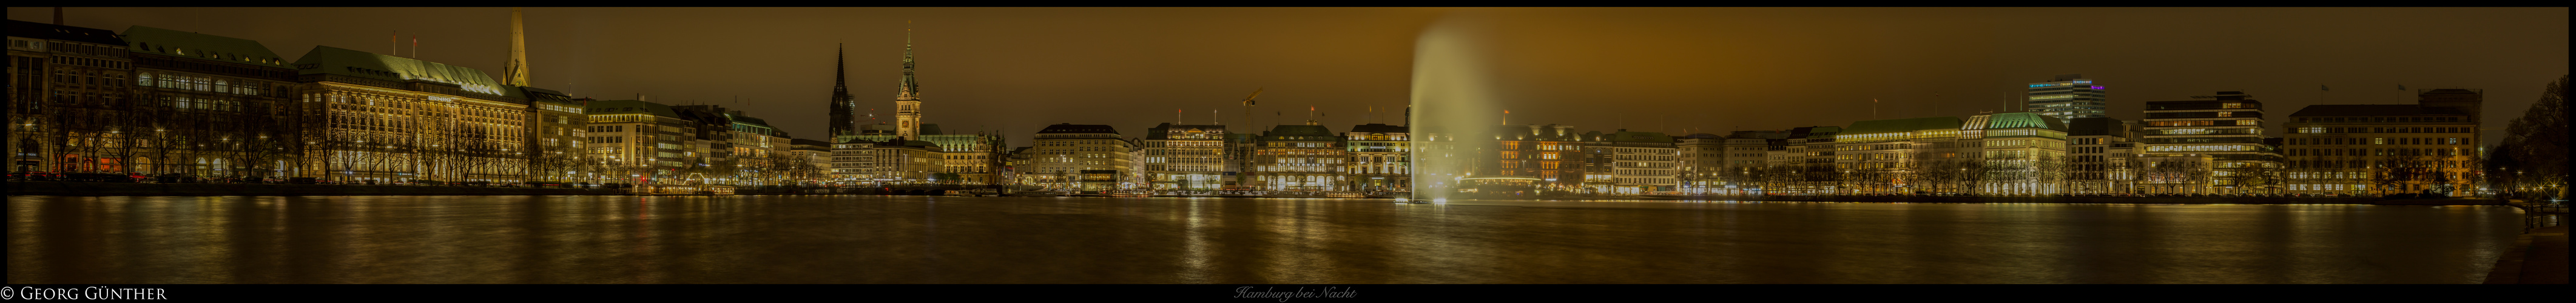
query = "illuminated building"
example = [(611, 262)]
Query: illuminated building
[(1881, 156), (2024, 153), (761, 152), (1300, 158), (975, 158), (1807, 164), (1712, 164), (2102, 156), (207, 105), (1538, 159), (2229, 128), (2386, 149), (813, 161), (68, 105), (561, 126), (1381, 157), (380, 118), (853, 161), (1183, 157), (1640, 162), (640, 142), (1061, 154), (2068, 97)]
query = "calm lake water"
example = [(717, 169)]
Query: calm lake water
[(881, 239)]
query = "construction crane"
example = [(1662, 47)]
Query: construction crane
[(1247, 106)]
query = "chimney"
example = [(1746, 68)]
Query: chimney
[(58, 15)]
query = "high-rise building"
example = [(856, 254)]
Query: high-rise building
[(2386, 149), (2228, 127), (2068, 97)]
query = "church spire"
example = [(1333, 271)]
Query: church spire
[(844, 108), (840, 74), (516, 72)]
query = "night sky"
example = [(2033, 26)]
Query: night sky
[(1682, 70)]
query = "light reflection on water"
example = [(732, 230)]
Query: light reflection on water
[(872, 239)]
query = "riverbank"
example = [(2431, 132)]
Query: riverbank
[(47, 188), (2091, 200), (2538, 257)]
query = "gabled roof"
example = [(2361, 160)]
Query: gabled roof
[(63, 32), (152, 40), (605, 107), (353, 63), (1901, 125)]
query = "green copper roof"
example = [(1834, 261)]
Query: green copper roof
[(150, 40), (607, 107), (346, 62), (1901, 125), (2024, 120)]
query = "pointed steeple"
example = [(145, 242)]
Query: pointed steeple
[(516, 73), (844, 108), (840, 73), (909, 88)]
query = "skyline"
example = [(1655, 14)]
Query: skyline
[(1019, 69)]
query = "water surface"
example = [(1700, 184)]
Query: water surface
[(881, 239)]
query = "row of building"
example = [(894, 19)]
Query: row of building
[(159, 101)]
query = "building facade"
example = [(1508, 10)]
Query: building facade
[(1883, 156), (1183, 157), (2102, 156), (2068, 97), (379, 119), (1381, 158), (218, 106), (1300, 158), (70, 98), (2230, 128), (1061, 153), (2431, 146)]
